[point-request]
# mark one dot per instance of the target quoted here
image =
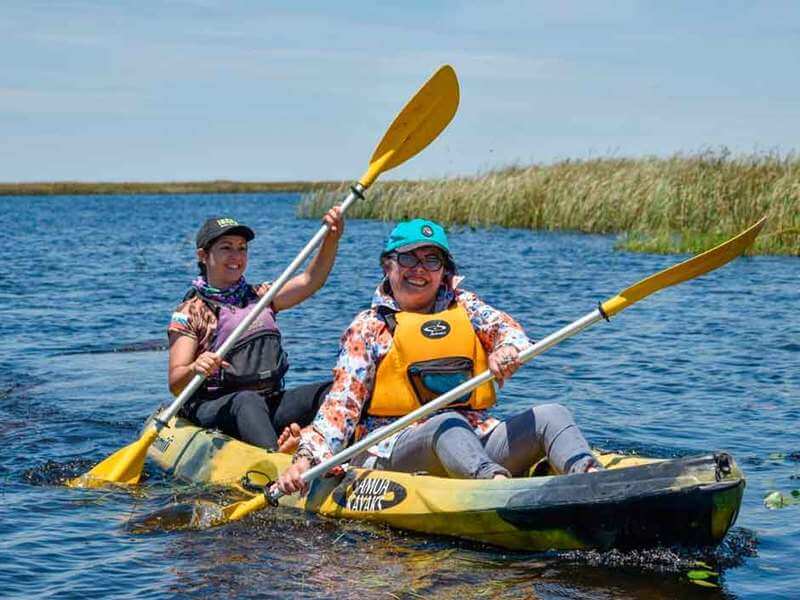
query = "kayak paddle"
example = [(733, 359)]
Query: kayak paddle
[(420, 122), (689, 269)]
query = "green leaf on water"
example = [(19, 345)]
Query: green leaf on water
[(702, 577), (775, 500), (699, 574)]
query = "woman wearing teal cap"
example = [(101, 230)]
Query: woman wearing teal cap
[(422, 336)]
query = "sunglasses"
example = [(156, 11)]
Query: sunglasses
[(407, 260)]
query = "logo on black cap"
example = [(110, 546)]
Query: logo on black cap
[(427, 231), (218, 226)]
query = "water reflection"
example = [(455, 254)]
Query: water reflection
[(286, 552)]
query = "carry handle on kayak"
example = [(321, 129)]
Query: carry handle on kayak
[(684, 271), (420, 122)]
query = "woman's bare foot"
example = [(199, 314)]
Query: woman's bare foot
[(289, 439)]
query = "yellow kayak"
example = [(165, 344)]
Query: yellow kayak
[(635, 502)]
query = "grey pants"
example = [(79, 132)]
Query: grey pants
[(446, 445)]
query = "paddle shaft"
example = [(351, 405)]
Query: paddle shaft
[(273, 494), (355, 192)]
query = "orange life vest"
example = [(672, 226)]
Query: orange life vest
[(430, 354)]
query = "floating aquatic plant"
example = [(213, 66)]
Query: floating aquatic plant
[(775, 500)]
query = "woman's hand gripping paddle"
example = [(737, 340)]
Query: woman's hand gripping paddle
[(420, 122), (689, 269)]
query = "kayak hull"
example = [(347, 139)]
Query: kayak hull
[(635, 502)]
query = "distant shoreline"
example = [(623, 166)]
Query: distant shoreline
[(683, 203), (77, 188)]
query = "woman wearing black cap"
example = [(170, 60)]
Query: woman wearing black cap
[(243, 395)]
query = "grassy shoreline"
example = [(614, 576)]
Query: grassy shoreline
[(79, 188), (684, 203)]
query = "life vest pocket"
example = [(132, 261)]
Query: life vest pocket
[(432, 378)]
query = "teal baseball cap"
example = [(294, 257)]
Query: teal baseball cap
[(408, 235)]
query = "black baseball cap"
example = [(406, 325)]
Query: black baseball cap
[(218, 226)]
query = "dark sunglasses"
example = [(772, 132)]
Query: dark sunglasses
[(409, 260)]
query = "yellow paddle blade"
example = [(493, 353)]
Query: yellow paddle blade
[(239, 510), (124, 466), (689, 269), (417, 125)]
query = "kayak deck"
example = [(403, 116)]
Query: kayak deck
[(635, 502)]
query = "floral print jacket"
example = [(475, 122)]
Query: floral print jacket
[(362, 347)]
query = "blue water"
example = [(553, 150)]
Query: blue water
[(86, 288)]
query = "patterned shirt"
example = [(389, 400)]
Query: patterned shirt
[(195, 319), (362, 347)]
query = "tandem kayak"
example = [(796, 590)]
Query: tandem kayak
[(635, 502)]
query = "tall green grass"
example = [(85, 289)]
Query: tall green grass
[(684, 203)]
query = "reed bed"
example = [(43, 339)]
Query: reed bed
[(683, 203), (79, 188)]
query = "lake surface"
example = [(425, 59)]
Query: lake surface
[(86, 290)]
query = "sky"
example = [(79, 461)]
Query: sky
[(189, 90)]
